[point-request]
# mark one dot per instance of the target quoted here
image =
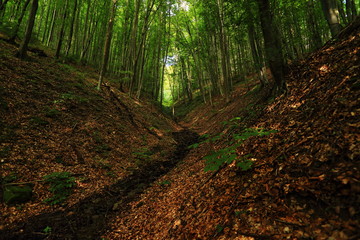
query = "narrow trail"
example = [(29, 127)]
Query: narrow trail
[(88, 219)]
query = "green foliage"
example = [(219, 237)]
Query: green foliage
[(165, 182), (51, 112), (219, 228), (47, 230), (206, 139), (142, 155), (69, 96), (61, 185), (8, 178), (215, 160), (227, 155), (14, 194)]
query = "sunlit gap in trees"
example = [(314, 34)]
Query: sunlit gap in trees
[(169, 82)]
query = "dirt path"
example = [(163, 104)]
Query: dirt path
[(88, 219)]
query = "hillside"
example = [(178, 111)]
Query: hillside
[(136, 178), (304, 182), (53, 120)]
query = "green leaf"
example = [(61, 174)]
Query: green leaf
[(245, 165)]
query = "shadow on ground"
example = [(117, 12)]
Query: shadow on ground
[(88, 219)]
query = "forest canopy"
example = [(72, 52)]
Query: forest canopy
[(177, 50)]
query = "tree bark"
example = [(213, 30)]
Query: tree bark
[(350, 10), (273, 46), (71, 28), (16, 28), (61, 34), (315, 39), (29, 28), (107, 42), (331, 13)]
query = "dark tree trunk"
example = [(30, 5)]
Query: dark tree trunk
[(350, 10), (16, 28), (316, 40), (273, 48), (29, 28), (107, 42), (71, 28), (61, 34)]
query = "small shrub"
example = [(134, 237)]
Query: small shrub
[(47, 230), (227, 155), (61, 185), (165, 182)]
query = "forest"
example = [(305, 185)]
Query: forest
[(179, 119)]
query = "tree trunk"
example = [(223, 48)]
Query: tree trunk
[(315, 37), (16, 28), (350, 10), (29, 28), (71, 28), (273, 46), (331, 13), (52, 26), (107, 42), (61, 34)]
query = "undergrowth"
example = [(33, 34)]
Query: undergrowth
[(229, 154), (61, 185)]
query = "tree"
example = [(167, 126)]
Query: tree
[(273, 46), (72, 27), (107, 44), (17, 26), (61, 33), (331, 13), (29, 29)]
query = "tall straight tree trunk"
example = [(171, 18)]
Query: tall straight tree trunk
[(273, 46), (16, 28), (71, 28), (350, 10), (46, 23), (315, 37), (52, 26), (29, 28), (223, 51), (107, 42), (331, 13), (133, 44), (61, 34)]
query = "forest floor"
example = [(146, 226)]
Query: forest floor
[(136, 178)]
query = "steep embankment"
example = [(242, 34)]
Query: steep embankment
[(53, 120), (304, 182)]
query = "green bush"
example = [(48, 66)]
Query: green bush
[(61, 185), (227, 155)]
